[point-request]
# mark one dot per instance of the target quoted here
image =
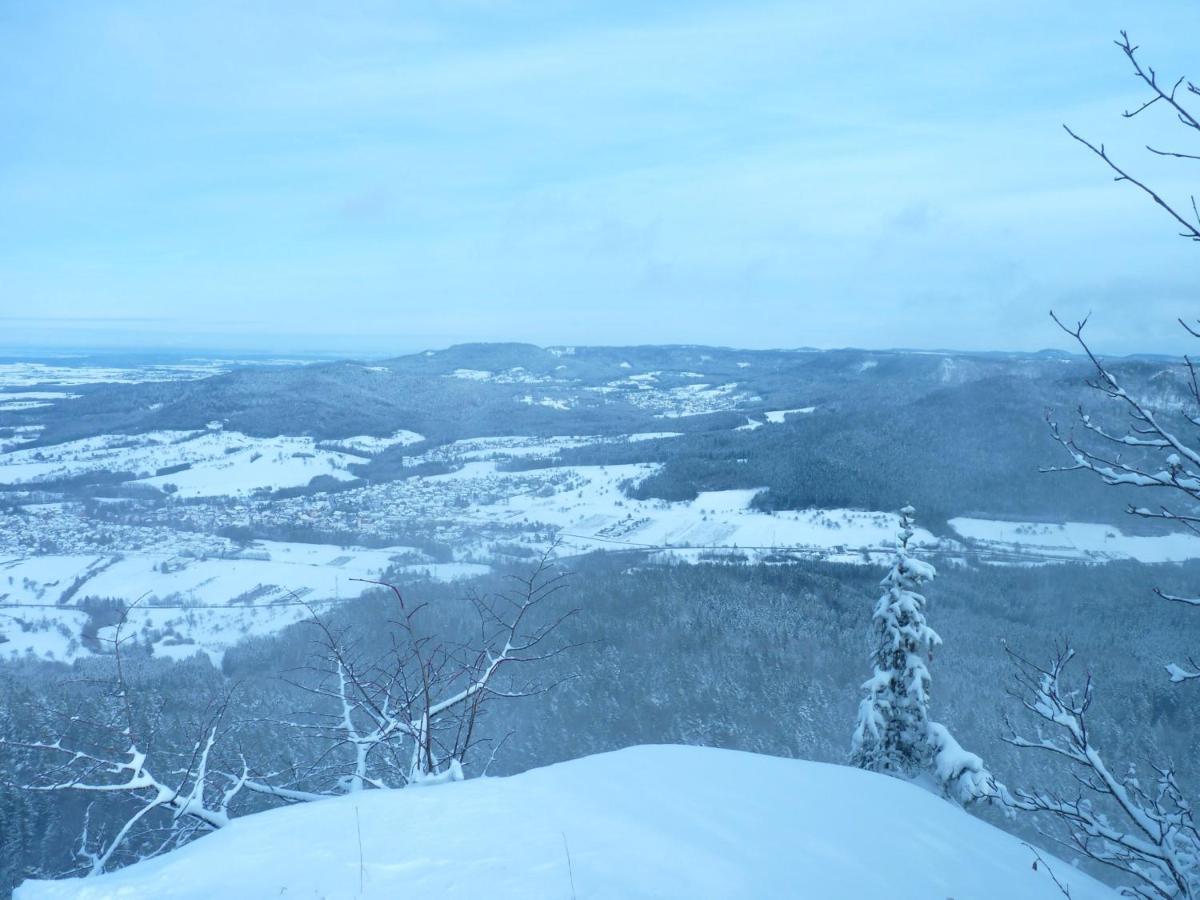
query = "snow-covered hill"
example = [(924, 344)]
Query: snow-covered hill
[(653, 821)]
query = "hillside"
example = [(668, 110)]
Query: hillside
[(651, 821)]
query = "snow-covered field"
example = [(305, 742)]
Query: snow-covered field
[(253, 591), (656, 821), (169, 553), (21, 434), (216, 462), (592, 513), (365, 443), (477, 508), (1075, 541), (63, 374)]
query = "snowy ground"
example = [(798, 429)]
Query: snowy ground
[(52, 554), (63, 374), (365, 443), (22, 434), (224, 599), (56, 554), (217, 462), (1071, 541), (669, 822), (676, 401)]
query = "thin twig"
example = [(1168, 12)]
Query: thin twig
[(570, 868)]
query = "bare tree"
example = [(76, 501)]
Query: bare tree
[(106, 753), (1148, 452), (1163, 97), (410, 715), (1146, 831), (407, 716)]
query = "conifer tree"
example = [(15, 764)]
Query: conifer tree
[(892, 731), (895, 734)]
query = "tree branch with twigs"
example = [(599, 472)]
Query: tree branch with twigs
[(1146, 832), (407, 716), (410, 715), (1149, 451), (106, 754), (1166, 97)]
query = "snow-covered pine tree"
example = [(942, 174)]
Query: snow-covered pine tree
[(893, 718), (895, 734)]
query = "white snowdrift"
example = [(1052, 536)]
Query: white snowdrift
[(656, 821)]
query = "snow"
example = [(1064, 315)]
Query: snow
[(675, 402), (245, 587), (365, 443), (22, 434), (21, 374), (17, 405), (653, 821), (589, 508), (551, 402), (1076, 540), (36, 395), (220, 462), (516, 375), (652, 435), (471, 374), (776, 417), (14, 401)]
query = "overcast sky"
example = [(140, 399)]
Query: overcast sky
[(394, 176)]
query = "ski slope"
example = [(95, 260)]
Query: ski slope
[(654, 821)]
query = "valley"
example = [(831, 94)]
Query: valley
[(214, 533)]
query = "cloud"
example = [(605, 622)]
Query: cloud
[(866, 174)]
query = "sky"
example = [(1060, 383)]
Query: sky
[(387, 177)]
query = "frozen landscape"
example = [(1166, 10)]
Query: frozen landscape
[(184, 523), (636, 823), (557, 450)]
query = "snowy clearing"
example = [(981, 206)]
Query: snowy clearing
[(653, 821), (365, 443), (1076, 540), (777, 416)]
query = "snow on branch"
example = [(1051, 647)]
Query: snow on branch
[(410, 715), (894, 733), (1145, 831), (107, 756), (1176, 473)]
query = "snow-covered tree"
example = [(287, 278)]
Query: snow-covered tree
[(159, 797), (895, 734), (1142, 827), (892, 734), (411, 714)]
